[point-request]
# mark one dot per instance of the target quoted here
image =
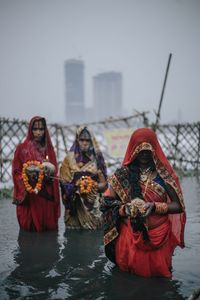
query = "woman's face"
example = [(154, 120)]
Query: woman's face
[(145, 157), (38, 130), (84, 144), (84, 140)]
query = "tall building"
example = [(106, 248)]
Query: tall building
[(107, 94), (75, 91)]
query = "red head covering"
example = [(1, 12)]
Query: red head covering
[(48, 149), (146, 139)]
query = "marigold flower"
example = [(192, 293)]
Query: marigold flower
[(86, 184), (38, 185)]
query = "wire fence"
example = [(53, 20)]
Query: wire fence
[(180, 142)]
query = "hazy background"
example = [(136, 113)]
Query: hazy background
[(128, 36)]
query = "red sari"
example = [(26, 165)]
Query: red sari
[(35, 212), (152, 257)]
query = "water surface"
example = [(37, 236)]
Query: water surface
[(72, 264)]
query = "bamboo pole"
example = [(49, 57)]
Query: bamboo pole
[(162, 93)]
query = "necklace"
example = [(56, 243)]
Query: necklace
[(144, 174)]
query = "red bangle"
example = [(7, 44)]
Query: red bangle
[(161, 208)]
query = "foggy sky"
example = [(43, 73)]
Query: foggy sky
[(128, 36)]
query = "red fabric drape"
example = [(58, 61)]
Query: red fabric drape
[(145, 138), (152, 257), (145, 259), (35, 212)]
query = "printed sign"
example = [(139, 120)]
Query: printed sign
[(117, 141)]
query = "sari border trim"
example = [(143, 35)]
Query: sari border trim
[(110, 236)]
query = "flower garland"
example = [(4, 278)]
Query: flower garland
[(86, 184), (38, 185)]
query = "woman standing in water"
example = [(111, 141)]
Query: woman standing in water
[(144, 214), (84, 174), (36, 195)]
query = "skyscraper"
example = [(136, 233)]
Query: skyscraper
[(75, 91), (107, 94)]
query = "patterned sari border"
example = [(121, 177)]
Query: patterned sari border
[(110, 236)]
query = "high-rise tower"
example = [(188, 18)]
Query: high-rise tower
[(107, 94), (75, 92)]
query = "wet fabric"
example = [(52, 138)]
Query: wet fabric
[(35, 212), (82, 211), (126, 247)]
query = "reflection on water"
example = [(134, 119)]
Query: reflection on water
[(133, 287), (72, 265), (35, 259), (82, 263)]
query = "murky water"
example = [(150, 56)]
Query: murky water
[(72, 264)]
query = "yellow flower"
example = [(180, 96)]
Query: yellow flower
[(86, 184)]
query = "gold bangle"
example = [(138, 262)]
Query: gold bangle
[(161, 208)]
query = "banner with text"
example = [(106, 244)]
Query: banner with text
[(117, 141)]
